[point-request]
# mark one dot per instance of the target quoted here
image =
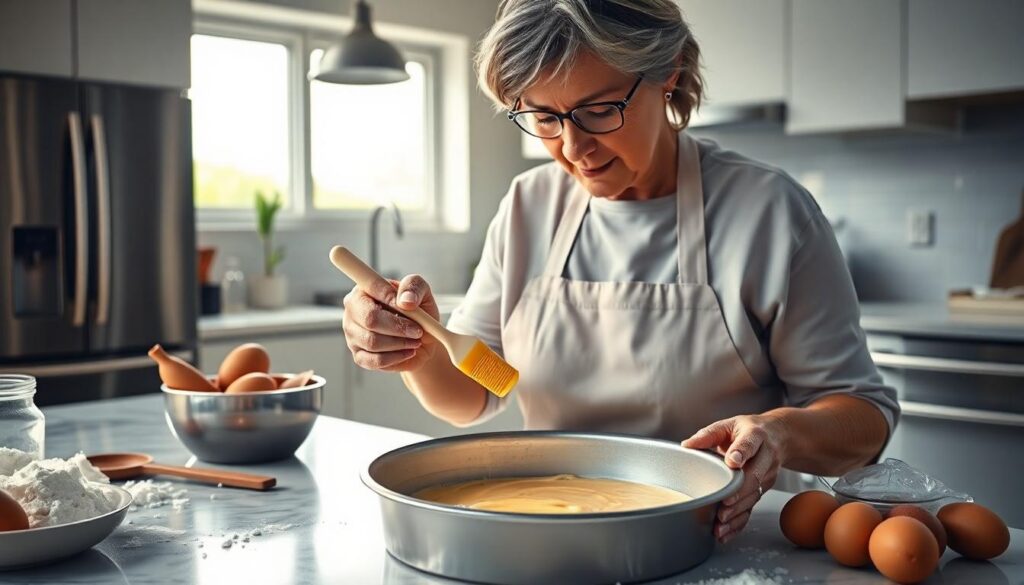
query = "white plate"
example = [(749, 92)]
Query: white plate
[(37, 546)]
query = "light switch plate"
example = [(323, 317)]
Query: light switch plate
[(920, 227)]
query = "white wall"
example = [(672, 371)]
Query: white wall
[(446, 260)]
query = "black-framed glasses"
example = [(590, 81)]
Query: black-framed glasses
[(595, 118)]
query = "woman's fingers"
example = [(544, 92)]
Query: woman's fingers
[(744, 446), (413, 291), (727, 531), (381, 361), (716, 434), (367, 313)]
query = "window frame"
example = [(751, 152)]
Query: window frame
[(300, 39), (292, 41)]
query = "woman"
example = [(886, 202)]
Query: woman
[(645, 282)]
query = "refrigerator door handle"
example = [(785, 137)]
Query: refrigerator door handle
[(91, 367), (81, 219), (99, 143)]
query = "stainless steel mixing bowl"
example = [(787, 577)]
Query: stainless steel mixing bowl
[(243, 428), (495, 547)]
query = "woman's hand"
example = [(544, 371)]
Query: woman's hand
[(379, 337), (754, 443)]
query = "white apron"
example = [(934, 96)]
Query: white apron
[(650, 359)]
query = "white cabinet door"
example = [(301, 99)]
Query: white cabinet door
[(35, 37), (743, 47), (132, 41), (846, 65), (382, 399), (323, 352), (955, 47)]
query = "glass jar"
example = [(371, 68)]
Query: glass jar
[(22, 425), (232, 287)]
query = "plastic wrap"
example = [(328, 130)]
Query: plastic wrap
[(893, 482)]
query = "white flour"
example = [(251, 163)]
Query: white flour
[(747, 577), (154, 494), (55, 491)]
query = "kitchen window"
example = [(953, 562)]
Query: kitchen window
[(240, 129), (333, 152)]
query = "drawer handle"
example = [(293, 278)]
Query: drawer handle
[(956, 413), (935, 364)]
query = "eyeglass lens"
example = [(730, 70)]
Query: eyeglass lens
[(596, 119)]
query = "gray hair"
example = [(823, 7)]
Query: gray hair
[(535, 38)]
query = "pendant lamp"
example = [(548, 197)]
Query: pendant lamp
[(362, 58)]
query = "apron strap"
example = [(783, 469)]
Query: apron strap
[(692, 254), (565, 234)]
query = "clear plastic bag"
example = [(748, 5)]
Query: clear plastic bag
[(893, 482)]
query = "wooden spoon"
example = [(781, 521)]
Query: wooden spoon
[(297, 381), (132, 465)]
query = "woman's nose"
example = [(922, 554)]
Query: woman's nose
[(576, 143)]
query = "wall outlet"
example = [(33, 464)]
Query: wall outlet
[(920, 228)]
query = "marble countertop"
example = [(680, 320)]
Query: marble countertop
[(335, 533), (290, 319), (935, 320)]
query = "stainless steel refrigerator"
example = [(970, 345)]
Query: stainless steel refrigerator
[(97, 235)]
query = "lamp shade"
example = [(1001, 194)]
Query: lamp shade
[(362, 58)]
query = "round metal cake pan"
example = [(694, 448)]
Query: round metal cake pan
[(508, 548)]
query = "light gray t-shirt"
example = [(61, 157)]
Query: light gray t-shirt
[(785, 291), (626, 241)]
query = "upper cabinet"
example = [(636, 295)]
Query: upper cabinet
[(846, 65), (743, 48), (35, 37), (956, 47), (121, 41), (135, 42)]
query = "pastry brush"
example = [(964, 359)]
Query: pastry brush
[(470, 355)]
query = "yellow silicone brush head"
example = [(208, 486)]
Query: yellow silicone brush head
[(489, 370)]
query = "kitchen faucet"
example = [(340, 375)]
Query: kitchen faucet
[(375, 231)]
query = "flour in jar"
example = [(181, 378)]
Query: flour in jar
[(55, 491)]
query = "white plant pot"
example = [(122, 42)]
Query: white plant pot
[(268, 292)]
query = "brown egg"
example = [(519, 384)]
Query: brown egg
[(974, 531), (926, 518), (804, 516), (12, 515), (244, 359), (848, 531), (252, 382), (904, 550)]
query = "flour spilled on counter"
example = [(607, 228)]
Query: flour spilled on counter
[(747, 577), (138, 536), (155, 494), (55, 491)]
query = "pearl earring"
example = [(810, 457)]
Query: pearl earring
[(668, 96)]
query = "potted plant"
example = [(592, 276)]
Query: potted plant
[(269, 290)]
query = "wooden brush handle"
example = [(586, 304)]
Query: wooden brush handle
[(365, 277), (213, 476)]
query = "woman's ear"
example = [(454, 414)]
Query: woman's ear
[(673, 79)]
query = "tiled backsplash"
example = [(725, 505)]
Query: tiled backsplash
[(972, 181)]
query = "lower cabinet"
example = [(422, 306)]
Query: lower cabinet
[(382, 399), (352, 392), (963, 414)]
